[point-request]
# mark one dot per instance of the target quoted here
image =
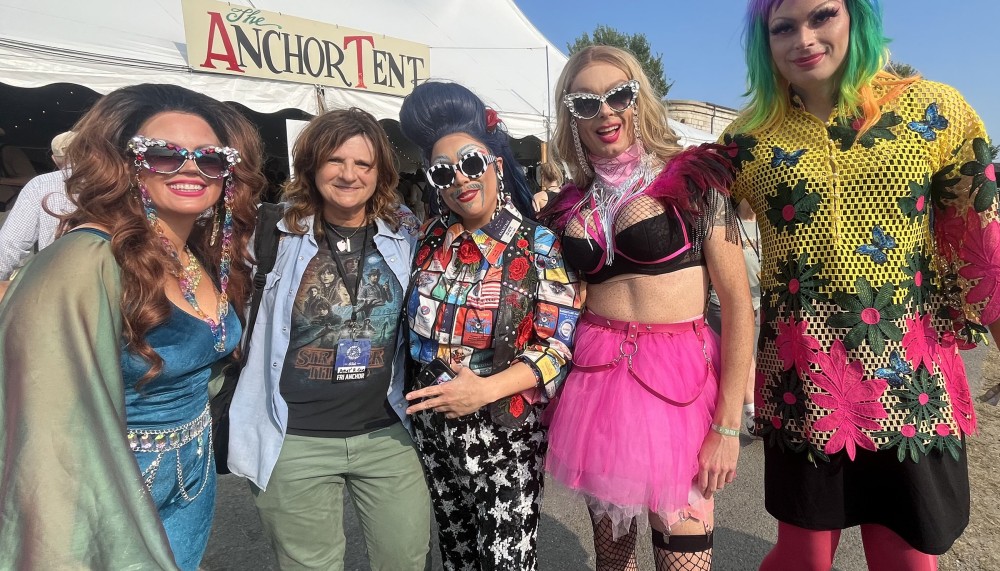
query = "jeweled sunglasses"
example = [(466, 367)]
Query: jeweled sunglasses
[(472, 165), (159, 156), (588, 105)]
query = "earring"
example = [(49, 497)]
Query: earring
[(581, 157), (215, 227), (147, 202), (442, 209), (635, 123), (227, 219), (502, 197)]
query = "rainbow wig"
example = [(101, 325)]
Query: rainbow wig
[(867, 56), (436, 109)]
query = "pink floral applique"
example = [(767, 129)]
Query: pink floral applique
[(981, 252), (794, 346), (957, 384), (853, 400), (920, 342), (949, 228)]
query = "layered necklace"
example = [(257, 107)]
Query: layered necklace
[(616, 181), (189, 277), (189, 274)]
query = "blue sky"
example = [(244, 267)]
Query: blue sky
[(954, 42)]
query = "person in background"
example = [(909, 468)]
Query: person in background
[(876, 200), (647, 427), (34, 218), (411, 194), (15, 172), (107, 453), (550, 178), (493, 304), (319, 407), (750, 235)]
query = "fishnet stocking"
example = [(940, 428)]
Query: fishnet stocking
[(675, 561), (677, 552), (613, 555)]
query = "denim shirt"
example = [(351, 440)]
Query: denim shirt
[(259, 415)]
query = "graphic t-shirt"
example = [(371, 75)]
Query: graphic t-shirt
[(336, 371)]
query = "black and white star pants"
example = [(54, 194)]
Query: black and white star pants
[(486, 485)]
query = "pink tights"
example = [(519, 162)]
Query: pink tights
[(801, 549)]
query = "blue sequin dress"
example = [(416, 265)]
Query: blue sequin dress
[(169, 427)]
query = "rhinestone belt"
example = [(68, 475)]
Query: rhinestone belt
[(164, 440)]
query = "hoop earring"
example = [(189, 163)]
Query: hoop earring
[(581, 157)]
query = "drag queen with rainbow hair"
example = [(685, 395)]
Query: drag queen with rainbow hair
[(876, 199)]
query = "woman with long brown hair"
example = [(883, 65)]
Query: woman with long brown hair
[(319, 407), (112, 335)]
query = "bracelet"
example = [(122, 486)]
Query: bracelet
[(726, 431)]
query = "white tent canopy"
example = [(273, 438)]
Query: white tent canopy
[(107, 44)]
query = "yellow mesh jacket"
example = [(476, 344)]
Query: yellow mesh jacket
[(880, 259)]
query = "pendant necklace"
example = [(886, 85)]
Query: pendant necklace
[(344, 244), (341, 267)]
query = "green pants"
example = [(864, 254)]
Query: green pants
[(302, 509)]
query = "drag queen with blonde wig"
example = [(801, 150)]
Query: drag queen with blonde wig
[(647, 425)]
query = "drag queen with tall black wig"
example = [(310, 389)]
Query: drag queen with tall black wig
[(491, 298)]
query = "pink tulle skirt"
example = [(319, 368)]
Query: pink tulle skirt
[(632, 417)]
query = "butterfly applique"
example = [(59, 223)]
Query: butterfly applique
[(933, 121), (784, 158), (877, 249), (896, 372)]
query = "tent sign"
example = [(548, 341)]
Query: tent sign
[(236, 40)]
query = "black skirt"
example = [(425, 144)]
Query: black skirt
[(926, 503)]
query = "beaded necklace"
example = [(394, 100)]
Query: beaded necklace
[(188, 279), (189, 276)]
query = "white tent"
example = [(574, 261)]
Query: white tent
[(107, 44), (690, 136)]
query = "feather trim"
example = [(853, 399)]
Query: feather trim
[(684, 182), (688, 177)]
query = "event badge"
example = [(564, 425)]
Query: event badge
[(352, 359)]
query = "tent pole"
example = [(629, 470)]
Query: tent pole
[(548, 98), (320, 99)]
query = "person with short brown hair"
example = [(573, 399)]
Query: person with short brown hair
[(319, 407)]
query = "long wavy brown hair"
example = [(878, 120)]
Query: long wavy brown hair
[(657, 137), (102, 185), (323, 135)]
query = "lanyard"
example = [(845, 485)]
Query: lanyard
[(343, 272)]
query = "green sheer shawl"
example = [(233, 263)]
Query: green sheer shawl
[(71, 495)]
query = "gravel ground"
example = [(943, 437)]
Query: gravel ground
[(977, 550)]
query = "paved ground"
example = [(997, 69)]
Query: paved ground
[(745, 532)]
